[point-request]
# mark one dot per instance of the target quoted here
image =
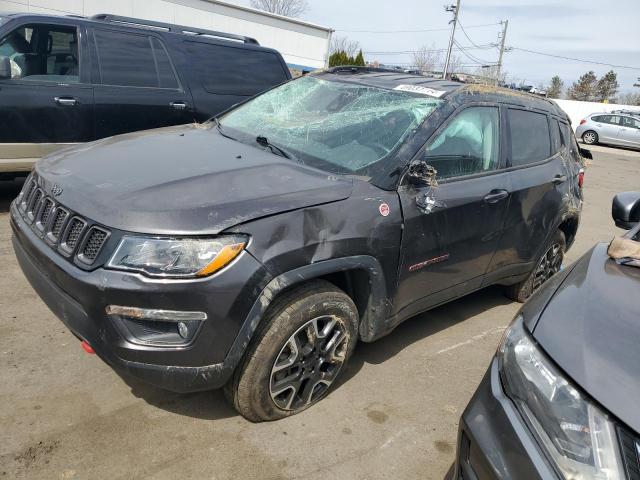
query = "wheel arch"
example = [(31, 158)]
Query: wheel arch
[(361, 277)]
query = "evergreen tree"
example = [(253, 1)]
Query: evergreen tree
[(359, 60), (556, 87), (607, 87), (585, 88)]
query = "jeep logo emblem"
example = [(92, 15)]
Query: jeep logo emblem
[(56, 190)]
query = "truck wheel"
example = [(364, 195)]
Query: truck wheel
[(548, 265), (298, 352), (590, 137)]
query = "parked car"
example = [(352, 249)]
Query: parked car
[(67, 80), (254, 251), (621, 129), (560, 397)]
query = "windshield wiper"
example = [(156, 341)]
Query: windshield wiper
[(219, 127), (264, 141)]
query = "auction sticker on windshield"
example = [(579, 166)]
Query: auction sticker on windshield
[(421, 90)]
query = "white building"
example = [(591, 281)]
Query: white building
[(303, 45)]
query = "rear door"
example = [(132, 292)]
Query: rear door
[(452, 230), (538, 180), (48, 101), (629, 133), (136, 84), (222, 75)]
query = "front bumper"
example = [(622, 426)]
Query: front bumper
[(79, 299), (493, 440)]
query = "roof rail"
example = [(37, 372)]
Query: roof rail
[(361, 69), (168, 27)]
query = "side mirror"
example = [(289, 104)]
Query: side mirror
[(421, 173), (584, 153), (625, 209), (5, 68)]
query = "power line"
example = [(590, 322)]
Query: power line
[(431, 50), (466, 35), (581, 60), (414, 31), (469, 56)]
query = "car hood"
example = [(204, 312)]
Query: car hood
[(591, 329), (182, 180)]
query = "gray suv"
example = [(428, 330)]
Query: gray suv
[(615, 128)]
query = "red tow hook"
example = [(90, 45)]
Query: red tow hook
[(87, 348)]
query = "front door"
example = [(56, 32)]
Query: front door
[(136, 85), (452, 229), (48, 101)]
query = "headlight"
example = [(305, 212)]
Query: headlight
[(578, 436), (176, 258)]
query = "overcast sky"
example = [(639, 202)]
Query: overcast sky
[(606, 32)]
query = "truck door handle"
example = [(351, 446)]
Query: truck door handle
[(495, 196), (178, 105), (558, 179), (66, 101)]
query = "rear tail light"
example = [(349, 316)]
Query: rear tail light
[(581, 177), (583, 121)]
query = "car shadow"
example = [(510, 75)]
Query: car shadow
[(9, 189), (209, 405), (212, 405), (422, 326)]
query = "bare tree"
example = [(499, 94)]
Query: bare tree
[(287, 8), (426, 58), (455, 64), (343, 44)]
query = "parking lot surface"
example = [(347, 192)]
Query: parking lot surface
[(66, 414)]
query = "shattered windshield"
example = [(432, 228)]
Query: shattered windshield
[(337, 126)]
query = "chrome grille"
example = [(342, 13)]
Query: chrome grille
[(93, 243), (59, 219), (70, 234), (44, 212)]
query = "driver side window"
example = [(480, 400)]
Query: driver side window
[(470, 144), (43, 53)]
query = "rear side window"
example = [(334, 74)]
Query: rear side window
[(530, 138), (131, 60), (235, 71)]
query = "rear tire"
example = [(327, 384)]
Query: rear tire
[(590, 137), (548, 265), (301, 347)]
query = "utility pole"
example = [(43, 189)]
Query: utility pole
[(455, 9), (505, 24)]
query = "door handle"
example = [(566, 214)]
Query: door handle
[(178, 105), (66, 101), (558, 179), (495, 196)]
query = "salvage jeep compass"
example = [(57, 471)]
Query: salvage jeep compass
[(255, 250)]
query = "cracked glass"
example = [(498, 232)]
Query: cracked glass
[(337, 126)]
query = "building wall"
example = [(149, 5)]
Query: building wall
[(300, 43), (578, 110)]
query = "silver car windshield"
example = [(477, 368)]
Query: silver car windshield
[(338, 126)]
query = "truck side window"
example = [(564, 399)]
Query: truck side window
[(234, 71), (43, 52), (530, 137), (469, 144), (133, 60)]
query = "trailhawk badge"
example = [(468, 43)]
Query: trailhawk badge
[(384, 209)]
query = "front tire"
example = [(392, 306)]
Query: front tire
[(547, 266), (590, 137), (305, 340)]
